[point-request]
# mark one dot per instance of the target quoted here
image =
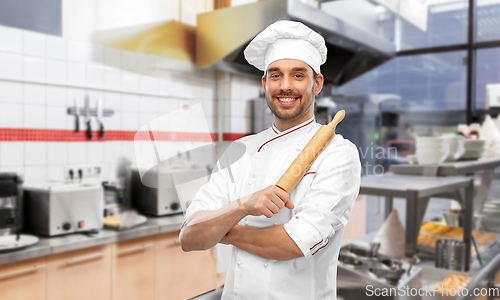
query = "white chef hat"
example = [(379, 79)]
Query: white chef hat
[(286, 40)]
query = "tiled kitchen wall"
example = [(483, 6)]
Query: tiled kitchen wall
[(41, 75)]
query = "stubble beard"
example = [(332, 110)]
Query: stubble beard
[(303, 109)]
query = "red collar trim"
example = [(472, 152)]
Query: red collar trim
[(260, 148)]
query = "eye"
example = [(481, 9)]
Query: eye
[(275, 75), (299, 75)]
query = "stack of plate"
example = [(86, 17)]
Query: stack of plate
[(454, 145), (473, 149), (430, 150)]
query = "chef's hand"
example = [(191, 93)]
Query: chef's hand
[(267, 202)]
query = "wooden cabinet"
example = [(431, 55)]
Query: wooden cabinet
[(24, 280), (134, 269), (181, 275), (80, 275)]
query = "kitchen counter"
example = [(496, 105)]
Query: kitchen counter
[(75, 241)]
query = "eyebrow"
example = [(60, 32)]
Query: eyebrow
[(300, 69)]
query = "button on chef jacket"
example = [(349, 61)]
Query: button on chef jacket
[(323, 201)]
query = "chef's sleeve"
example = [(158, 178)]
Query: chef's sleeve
[(215, 193), (328, 203)]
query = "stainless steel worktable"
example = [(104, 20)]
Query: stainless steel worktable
[(417, 190), (447, 169), (75, 241)]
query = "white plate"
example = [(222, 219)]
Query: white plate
[(8, 242)]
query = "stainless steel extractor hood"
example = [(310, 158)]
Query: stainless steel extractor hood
[(222, 35)]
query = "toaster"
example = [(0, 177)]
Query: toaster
[(56, 209), (174, 191)]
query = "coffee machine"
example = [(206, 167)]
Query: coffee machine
[(11, 193)]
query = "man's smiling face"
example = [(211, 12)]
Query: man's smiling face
[(290, 87)]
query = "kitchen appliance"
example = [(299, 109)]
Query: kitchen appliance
[(176, 189), (450, 254), (10, 203), (360, 268), (115, 199), (56, 209)]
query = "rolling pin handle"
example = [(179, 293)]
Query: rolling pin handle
[(289, 203)]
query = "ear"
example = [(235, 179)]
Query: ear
[(318, 85), (264, 81)]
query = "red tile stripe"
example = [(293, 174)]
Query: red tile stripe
[(61, 135), (309, 173)]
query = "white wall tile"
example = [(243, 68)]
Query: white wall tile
[(34, 93), (95, 152), (77, 152), (35, 174), (95, 74), (238, 125), (19, 170), (34, 116), (57, 48), (34, 43), (130, 103), (11, 65), (55, 173), (12, 39), (145, 118), (56, 70), (148, 84), (130, 81), (112, 100), (148, 104), (57, 96), (114, 122), (76, 73), (129, 60), (35, 153), (112, 57), (95, 54), (78, 94), (12, 154), (130, 121), (238, 108), (11, 115), (164, 87), (11, 91), (57, 117), (129, 152), (57, 153), (77, 51), (112, 78), (168, 105), (34, 68), (112, 150), (208, 107)]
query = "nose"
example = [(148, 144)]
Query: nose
[(286, 83)]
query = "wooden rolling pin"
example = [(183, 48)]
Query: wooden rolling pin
[(308, 155)]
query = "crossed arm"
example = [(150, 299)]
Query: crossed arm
[(204, 229)]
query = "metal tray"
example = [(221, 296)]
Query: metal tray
[(10, 242), (431, 277)]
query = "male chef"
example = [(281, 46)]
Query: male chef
[(285, 246)]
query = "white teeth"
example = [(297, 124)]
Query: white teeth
[(287, 99)]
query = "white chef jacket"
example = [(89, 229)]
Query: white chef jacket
[(323, 201)]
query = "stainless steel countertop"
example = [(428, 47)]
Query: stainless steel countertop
[(75, 241)]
